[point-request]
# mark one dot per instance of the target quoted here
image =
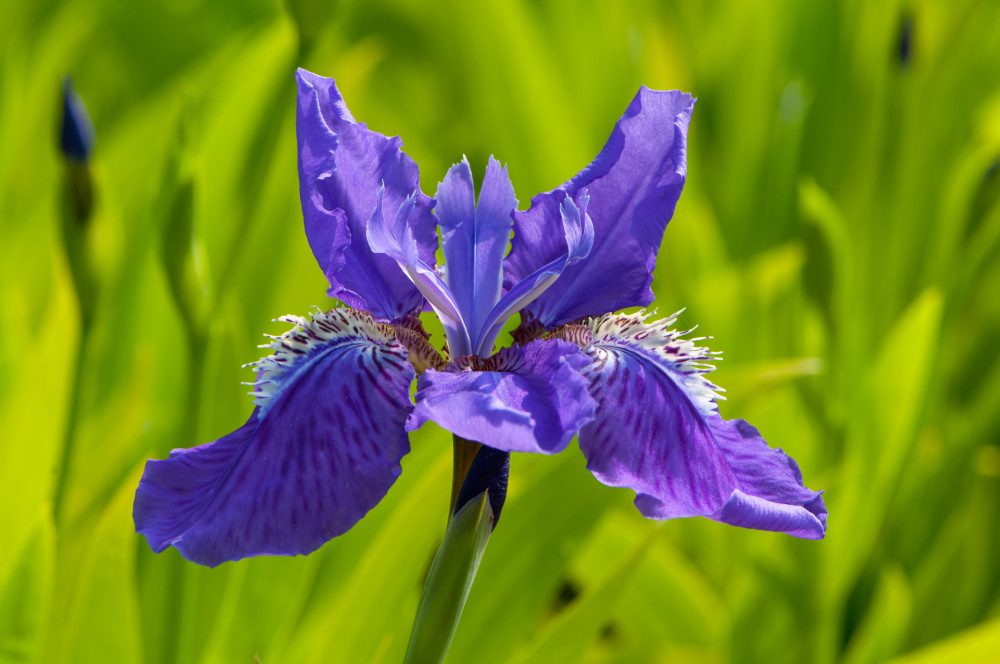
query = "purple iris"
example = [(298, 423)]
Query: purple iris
[(332, 403)]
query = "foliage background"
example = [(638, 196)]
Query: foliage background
[(838, 238)]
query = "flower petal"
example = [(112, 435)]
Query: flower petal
[(670, 445), (649, 431), (396, 241), (528, 398), (634, 184), (321, 448), (474, 239), (771, 495), (579, 232), (341, 167)]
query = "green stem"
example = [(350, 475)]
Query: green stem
[(77, 212), (72, 418)]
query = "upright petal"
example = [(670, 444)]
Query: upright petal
[(579, 230), (656, 431), (634, 184), (474, 238), (528, 398), (342, 164), (321, 448)]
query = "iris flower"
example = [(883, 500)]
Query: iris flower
[(333, 410)]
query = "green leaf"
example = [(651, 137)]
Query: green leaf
[(25, 595), (101, 623), (830, 270), (979, 645), (884, 628), (884, 430)]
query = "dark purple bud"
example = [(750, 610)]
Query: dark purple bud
[(76, 135), (488, 472), (904, 47)]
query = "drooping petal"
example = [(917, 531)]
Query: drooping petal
[(634, 184), (474, 238), (656, 431), (771, 494), (649, 431), (528, 398), (342, 164), (321, 449)]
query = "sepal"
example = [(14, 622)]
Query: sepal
[(321, 448)]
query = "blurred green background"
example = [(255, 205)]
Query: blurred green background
[(838, 237)]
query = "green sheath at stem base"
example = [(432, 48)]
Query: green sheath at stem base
[(449, 581)]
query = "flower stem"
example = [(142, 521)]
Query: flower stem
[(72, 417), (76, 225)]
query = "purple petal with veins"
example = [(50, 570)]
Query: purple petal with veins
[(649, 432), (770, 494), (657, 432), (319, 451)]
